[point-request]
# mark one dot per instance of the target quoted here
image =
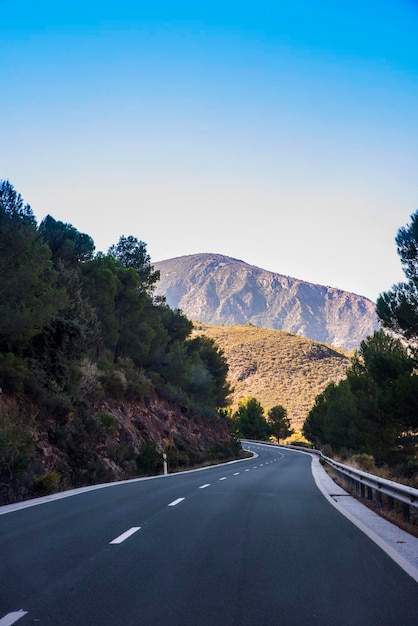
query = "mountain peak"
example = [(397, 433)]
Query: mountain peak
[(217, 289)]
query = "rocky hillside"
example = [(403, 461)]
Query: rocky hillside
[(114, 440), (216, 289), (277, 367)]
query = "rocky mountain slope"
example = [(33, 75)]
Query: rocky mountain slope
[(117, 440), (216, 289), (276, 367)]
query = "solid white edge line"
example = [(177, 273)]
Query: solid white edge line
[(11, 618), (394, 555), (18, 506), (175, 502), (123, 536)]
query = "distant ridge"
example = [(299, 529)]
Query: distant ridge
[(217, 289)]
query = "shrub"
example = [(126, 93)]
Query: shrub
[(148, 459), (90, 383), (108, 422), (46, 483), (59, 407), (115, 383), (13, 372)]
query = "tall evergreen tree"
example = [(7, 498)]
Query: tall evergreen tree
[(397, 309), (68, 246), (250, 419), (373, 410), (279, 422), (132, 253), (29, 292)]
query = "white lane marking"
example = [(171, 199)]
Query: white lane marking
[(247, 470), (175, 502), (204, 486), (123, 536), (223, 478), (11, 618), (236, 473), (261, 464)]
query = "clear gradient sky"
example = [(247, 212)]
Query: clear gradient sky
[(283, 133)]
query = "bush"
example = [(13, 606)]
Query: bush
[(139, 386), (148, 460), (59, 407), (364, 462), (90, 384), (115, 383), (16, 448), (13, 373), (46, 483), (108, 422)]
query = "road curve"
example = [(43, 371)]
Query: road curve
[(253, 542)]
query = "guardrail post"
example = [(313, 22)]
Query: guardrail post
[(406, 516), (369, 493)]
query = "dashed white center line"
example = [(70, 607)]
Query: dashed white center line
[(11, 618), (236, 474), (175, 502), (223, 478), (204, 486), (121, 538), (247, 470)]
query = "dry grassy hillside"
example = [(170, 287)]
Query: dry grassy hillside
[(276, 367)]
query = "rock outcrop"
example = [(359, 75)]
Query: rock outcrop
[(216, 289)]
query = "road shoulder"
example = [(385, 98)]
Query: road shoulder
[(397, 543)]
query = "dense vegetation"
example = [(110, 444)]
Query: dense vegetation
[(78, 327), (374, 410)]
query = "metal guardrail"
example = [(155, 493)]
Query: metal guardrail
[(364, 483)]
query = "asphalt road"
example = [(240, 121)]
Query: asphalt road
[(253, 542)]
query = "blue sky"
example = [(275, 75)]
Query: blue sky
[(281, 133)]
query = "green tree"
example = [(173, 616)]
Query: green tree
[(208, 370), (373, 410), (72, 332), (279, 422), (68, 246), (29, 293), (132, 253), (250, 419), (397, 309), (100, 285)]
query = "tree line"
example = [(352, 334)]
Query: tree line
[(62, 303), (374, 410), (78, 326)]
